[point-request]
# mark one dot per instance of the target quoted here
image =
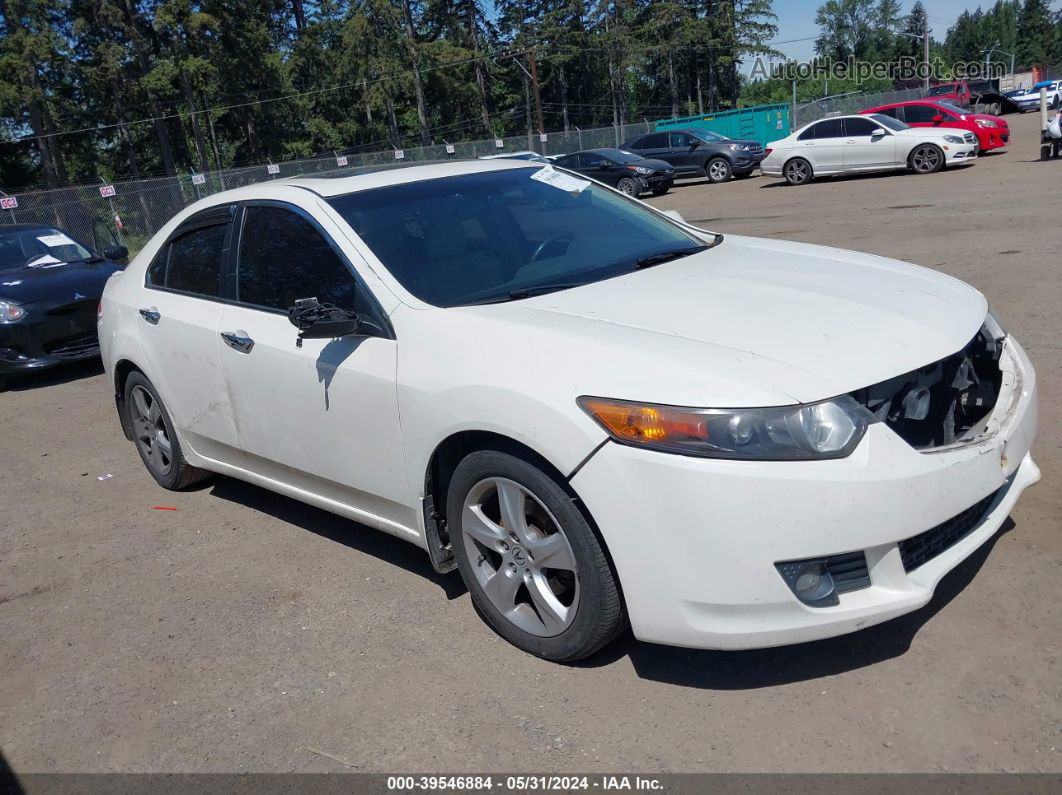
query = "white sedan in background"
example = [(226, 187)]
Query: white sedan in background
[(860, 144), (598, 413)]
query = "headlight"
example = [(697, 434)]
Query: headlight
[(953, 139), (644, 170), (830, 429), (986, 123), (739, 147), (10, 313), (993, 326)]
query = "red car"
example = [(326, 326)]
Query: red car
[(992, 132)]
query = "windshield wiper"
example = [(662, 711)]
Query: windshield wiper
[(667, 256), (524, 292)]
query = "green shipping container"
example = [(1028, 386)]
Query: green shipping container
[(763, 123)]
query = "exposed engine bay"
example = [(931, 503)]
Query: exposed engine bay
[(944, 402)]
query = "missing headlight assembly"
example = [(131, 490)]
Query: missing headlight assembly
[(944, 402)]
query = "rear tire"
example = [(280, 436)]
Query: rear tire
[(718, 170), (798, 171), (926, 159), (154, 437), (507, 518)]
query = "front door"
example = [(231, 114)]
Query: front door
[(321, 417), (867, 145), (179, 312)]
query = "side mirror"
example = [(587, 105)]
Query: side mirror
[(938, 119), (117, 253), (602, 164), (317, 321), (695, 144), (878, 133)]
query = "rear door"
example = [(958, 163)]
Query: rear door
[(867, 145), (322, 416), (178, 328), (655, 145), (823, 146)]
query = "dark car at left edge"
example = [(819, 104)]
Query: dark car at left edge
[(50, 287), (630, 173)]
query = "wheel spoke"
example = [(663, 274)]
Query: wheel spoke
[(552, 552), (155, 415), (141, 404), (553, 614), (475, 524), (501, 588), (512, 502)]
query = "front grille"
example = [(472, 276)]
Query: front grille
[(76, 348), (970, 138), (923, 547), (849, 571), (942, 402)]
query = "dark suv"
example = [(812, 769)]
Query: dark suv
[(700, 153)]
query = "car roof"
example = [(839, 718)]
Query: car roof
[(342, 184), (910, 102), (23, 227)]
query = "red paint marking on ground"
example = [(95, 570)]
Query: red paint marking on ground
[(163, 508)]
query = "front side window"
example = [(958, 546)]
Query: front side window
[(194, 261), (284, 258), (680, 141), (921, 114), (860, 128), (501, 235)]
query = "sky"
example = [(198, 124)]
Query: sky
[(796, 20)]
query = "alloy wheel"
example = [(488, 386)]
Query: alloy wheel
[(149, 430), (797, 172), (520, 557), (718, 171), (926, 159), (628, 187)]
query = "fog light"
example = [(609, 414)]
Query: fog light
[(810, 582)]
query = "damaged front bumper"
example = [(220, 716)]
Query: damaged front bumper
[(696, 541)]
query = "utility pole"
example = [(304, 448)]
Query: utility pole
[(534, 85), (925, 38)]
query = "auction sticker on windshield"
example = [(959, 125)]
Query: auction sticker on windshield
[(58, 239), (560, 180)]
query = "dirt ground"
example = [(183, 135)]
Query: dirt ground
[(248, 632)]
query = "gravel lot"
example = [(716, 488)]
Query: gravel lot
[(248, 632)]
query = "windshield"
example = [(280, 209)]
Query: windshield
[(937, 91), (504, 235), (952, 107), (40, 247), (889, 121), (617, 155)]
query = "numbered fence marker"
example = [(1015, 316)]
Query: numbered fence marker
[(107, 191), (449, 149), (543, 137), (273, 168), (198, 179), (8, 203), (341, 160), (400, 155), (499, 143)]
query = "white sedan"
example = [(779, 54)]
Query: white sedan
[(601, 415), (860, 144)]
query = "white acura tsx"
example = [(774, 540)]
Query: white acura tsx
[(600, 415)]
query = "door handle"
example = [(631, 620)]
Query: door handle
[(152, 316), (237, 342)]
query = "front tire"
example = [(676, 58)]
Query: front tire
[(155, 439), (798, 171), (718, 170), (629, 186), (926, 159), (535, 569)]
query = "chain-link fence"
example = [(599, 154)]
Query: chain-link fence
[(131, 212)]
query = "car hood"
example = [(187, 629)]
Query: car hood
[(749, 322), (659, 165), (59, 284)]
